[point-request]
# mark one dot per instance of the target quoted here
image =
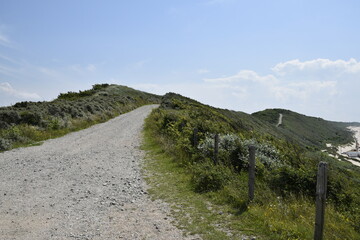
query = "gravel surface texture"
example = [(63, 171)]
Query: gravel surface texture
[(85, 185)]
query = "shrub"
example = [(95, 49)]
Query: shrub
[(5, 144), (4, 125), (30, 118), (55, 124), (234, 152), (100, 86), (266, 154), (291, 180), (10, 117), (207, 177), (13, 134), (21, 104)]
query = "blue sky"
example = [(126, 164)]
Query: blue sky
[(240, 55)]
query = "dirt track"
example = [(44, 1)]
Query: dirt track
[(85, 185)]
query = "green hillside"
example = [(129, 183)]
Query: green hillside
[(29, 122), (286, 165), (305, 130)]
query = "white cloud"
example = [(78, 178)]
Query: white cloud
[(10, 60), (304, 90), (243, 76), (8, 71), (4, 39), (280, 86), (91, 68), (6, 88), (202, 71), (83, 69), (139, 64), (319, 87), (318, 65)]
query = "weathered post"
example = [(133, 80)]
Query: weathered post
[(195, 137), (321, 186), (251, 172), (216, 148)]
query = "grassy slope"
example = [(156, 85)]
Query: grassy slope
[(308, 131), (300, 129), (29, 122), (284, 206)]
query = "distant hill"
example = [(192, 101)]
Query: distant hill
[(296, 128), (307, 130)]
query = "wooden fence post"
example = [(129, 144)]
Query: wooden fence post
[(195, 137), (321, 186), (216, 148), (251, 172)]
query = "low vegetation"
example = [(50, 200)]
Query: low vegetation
[(307, 131), (30, 122), (285, 173)]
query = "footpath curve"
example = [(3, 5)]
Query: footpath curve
[(85, 185), (280, 120)]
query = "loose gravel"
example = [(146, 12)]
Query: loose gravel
[(85, 185)]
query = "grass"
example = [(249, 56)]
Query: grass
[(226, 213)]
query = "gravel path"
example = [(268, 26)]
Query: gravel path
[(85, 185)]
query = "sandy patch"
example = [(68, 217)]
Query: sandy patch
[(351, 146)]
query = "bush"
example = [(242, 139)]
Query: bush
[(5, 144), (10, 117), (55, 123), (100, 86), (291, 180), (4, 125), (12, 134), (30, 118), (234, 152), (208, 177)]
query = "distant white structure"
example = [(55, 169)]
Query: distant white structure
[(353, 154)]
